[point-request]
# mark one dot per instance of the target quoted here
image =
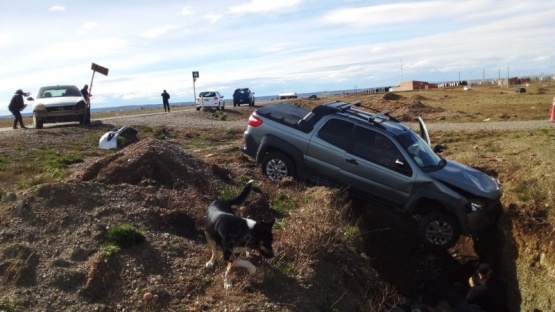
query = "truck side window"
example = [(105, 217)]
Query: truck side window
[(379, 149), (337, 132)]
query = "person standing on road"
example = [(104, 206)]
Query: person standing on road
[(166, 101), (16, 106), (86, 94)]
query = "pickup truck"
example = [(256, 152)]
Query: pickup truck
[(380, 160)]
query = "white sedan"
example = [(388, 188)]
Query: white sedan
[(60, 103), (210, 99)]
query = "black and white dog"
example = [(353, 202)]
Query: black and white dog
[(235, 235)]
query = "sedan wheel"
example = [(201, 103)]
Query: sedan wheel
[(37, 121)]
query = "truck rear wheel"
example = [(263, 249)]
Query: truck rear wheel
[(438, 231), (278, 165)]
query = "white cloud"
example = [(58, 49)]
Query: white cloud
[(263, 6), (399, 12), (87, 27), (57, 8), (186, 11), (156, 32), (212, 18)]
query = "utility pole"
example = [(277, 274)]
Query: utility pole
[(508, 81)]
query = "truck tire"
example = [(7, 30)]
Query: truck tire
[(438, 231), (278, 165)]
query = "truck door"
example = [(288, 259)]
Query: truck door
[(378, 168), (326, 151)]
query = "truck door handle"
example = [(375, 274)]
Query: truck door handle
[(352, 161)]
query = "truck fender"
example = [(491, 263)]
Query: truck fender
[(453, 206), (271, 142)]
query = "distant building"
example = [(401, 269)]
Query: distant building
[(513, 81), (412, 85)]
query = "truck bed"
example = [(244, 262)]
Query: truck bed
[(285, 114)]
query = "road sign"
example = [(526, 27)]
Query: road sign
[(195, 74), (100, 69)]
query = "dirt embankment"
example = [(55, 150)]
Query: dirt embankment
[(52, 256)]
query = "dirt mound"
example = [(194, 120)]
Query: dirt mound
[(152, 162), (411, 111), (417, 97), (391, 97)]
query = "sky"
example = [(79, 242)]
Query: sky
[(268, 46)]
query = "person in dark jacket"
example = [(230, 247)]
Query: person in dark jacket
[(86, 94), (166, 101), (16, 106)]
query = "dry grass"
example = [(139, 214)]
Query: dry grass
[(522, 160)]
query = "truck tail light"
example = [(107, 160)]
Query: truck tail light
[(254, 121)]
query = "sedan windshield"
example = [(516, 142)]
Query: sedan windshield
[(419, 150), (58, 91)]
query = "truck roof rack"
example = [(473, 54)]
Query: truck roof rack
[(343, 107)]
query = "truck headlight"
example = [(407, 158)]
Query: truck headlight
[(475, 205)]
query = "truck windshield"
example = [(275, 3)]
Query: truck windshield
[(419, 151)]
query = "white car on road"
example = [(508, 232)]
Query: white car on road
[(210, 99), (60, 104)]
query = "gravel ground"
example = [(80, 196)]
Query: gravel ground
[(191, 118), (182, 118)]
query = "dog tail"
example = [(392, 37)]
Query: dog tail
[(243, 196)]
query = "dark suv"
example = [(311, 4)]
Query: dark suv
[(243, 96)]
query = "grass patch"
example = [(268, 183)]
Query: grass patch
[(39, 166), (124, 236), (3, 162), (111, 249), (349, 233), (276, 277), (282, 203), (219, 115), (160, 133)]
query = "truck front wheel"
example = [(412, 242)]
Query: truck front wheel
[(278, 165), (438, 230)]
